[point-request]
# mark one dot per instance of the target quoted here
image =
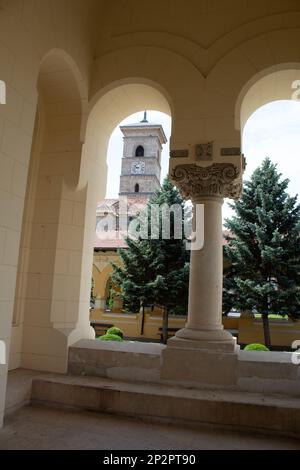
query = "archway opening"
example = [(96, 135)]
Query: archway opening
[(129, 164), (270, 124), (139, 151), (273, 131), (129, 175), (268, 115), (66, 180)]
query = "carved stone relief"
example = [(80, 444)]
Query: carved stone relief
[(218, 180)]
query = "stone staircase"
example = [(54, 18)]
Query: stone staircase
[(241, 410), (124, 379)]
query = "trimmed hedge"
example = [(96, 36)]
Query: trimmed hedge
[(115, 331), (109, 337), (256, 347)]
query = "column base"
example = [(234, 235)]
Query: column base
[(216, 339), (210, 359)]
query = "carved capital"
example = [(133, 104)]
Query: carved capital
[(217, 180)]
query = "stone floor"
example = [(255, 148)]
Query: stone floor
[(34, 427)]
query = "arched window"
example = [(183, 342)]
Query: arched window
[(137, 188), (139, 151)]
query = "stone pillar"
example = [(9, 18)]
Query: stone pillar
[(100, 304), (203, 351), (204, 323)]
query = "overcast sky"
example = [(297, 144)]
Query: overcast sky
[(273, 131)]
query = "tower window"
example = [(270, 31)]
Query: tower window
[(137, 188), (139, 151)]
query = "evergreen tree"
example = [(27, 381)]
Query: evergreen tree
[(133, 276), (155, 271), (264, 249), (92, 296)]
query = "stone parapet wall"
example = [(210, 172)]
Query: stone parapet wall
[(131, 361)]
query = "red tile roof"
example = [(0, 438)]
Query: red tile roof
[(110, 240), (114, 239)]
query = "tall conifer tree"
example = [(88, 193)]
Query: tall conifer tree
[(155, 271), (264, 249)]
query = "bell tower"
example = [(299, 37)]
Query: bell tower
[(141, 162)]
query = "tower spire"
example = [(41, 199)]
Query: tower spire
[(145, 117)]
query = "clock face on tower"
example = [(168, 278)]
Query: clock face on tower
[(138, 168)]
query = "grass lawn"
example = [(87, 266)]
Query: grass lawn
[(272, 315)]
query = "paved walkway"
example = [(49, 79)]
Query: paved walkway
[(35, 427)]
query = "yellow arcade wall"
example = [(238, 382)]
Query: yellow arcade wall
[(248, 329)]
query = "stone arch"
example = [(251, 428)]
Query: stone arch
[(239, 68), (101, 278), (48, 307), (279, 82), (171, 73), (109, 106), (106, 110)]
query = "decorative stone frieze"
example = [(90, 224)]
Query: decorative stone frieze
[(179, 153), (204, 151), (218, 180), (228, 151)]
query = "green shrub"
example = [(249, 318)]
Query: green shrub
[(110, 337), (115, 331), (256, 347)]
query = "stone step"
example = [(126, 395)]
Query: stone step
[(241, 410)]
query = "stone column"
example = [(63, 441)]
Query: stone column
[(204, 323), (203, 340), (100, 304)]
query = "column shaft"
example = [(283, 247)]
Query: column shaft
[(205, 289), (207, 185)]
